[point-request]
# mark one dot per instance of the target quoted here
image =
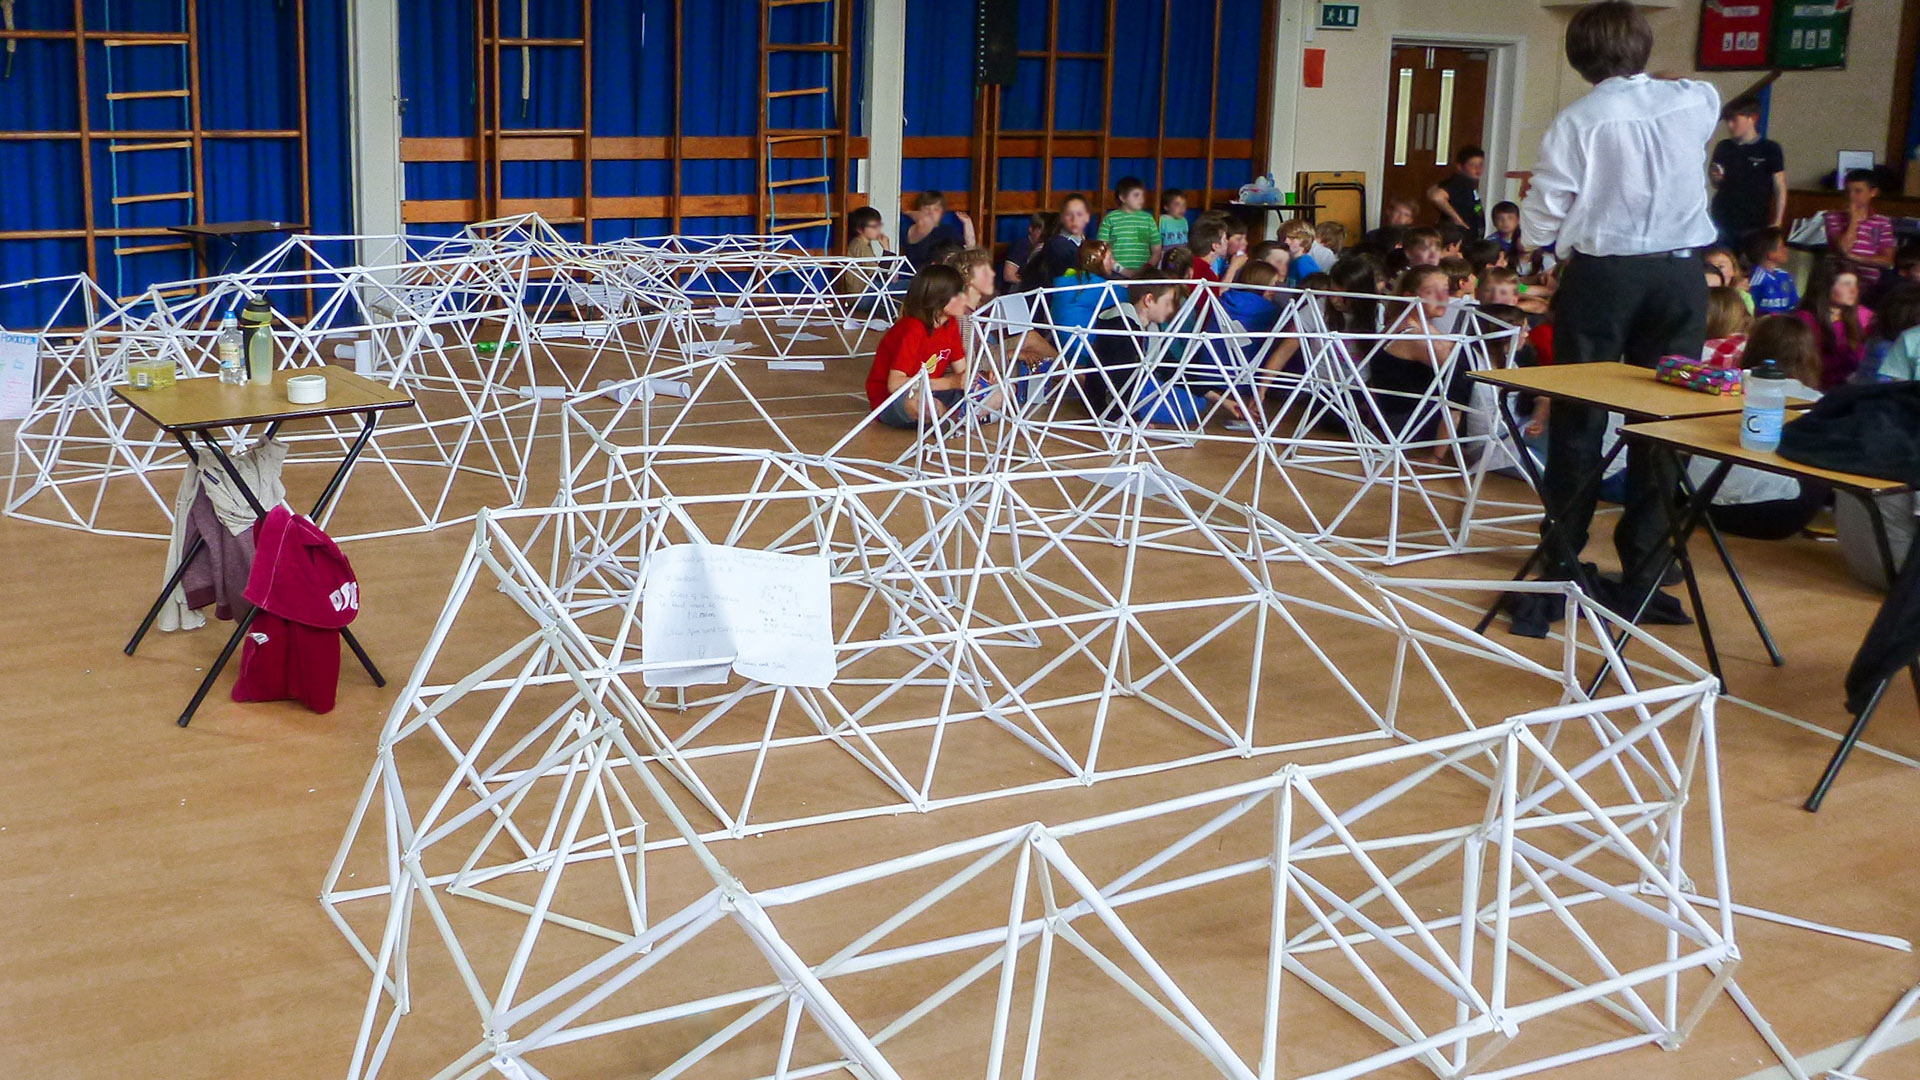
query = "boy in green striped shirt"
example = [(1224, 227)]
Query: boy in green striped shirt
[(1131, 231)]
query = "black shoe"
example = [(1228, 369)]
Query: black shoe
[(1665, 609), (1533, 614), (1662, 609), (1673, 576)]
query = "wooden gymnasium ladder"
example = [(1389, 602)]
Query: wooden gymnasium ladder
[(130, 154), (803, 145), (495, 113)]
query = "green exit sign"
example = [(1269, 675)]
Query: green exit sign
[(1339, 16)]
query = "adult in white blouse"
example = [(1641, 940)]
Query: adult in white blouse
[(1620, 192)]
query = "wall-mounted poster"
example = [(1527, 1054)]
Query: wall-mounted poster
[(1809, 34), (1736, 35)]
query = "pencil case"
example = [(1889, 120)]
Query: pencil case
[(1694, 374)]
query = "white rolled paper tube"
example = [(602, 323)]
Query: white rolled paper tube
[(307, 389)]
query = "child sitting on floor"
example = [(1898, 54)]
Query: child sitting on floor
[(1506, 230), (1131, 230), (1499, 285), (1173, 219), (1274, 254), (1299, 238), (925, 340), (1482, 254), (1893, 352), (867, 232), (1020, 252), (1403, 371), (1763, 505), (1061, 251), (1254, 308), (1461, 283), (1082, 293), (1423, 247), (1771, 286), (1727, 322), (1124, 354), (1329, 240), (1239, 238), (866, 239), (1833, 310), (1208, 242), (929, 236)]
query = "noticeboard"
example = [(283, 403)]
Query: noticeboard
[(1749, 35)]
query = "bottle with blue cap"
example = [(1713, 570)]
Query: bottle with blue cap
[(233, 369), (1765, 387)]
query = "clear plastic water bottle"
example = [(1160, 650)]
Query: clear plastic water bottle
[(1765, 387), (233, 370), (258, 317)]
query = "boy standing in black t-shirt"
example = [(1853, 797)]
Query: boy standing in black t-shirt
[(1749, 176), (1458, 196)]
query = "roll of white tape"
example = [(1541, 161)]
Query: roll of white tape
[(307, 389)]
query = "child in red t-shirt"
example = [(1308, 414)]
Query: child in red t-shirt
[(925, 339)]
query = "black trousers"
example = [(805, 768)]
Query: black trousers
[(1636, 308), (1776, 520)]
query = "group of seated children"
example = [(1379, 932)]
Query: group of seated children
[(1441, 273), (1092, 277)]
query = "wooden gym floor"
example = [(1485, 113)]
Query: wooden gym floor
[(159, 884)]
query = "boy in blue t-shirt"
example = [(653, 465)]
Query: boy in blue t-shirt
[(1771, 286)]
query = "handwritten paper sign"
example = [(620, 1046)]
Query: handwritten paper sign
[(759, 614), (19, 374)]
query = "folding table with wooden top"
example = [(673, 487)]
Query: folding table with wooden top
[(1635, 393), (202, 405), (1718, 438)]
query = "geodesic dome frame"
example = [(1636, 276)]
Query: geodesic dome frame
[(1419, 459), (477, 329), (522, 789), (774, 286)]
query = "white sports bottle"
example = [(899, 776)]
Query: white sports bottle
[(1765, 387)]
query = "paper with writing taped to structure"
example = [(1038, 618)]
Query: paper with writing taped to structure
[(19, 374), (763, 615)]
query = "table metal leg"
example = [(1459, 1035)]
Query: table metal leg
[(1696, 509), (1733, 574), (173, 582), (1845, 748), (361, 655), (1859, 725), (1550, 531), (346, 466), (1688, 575), (213, 673)]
